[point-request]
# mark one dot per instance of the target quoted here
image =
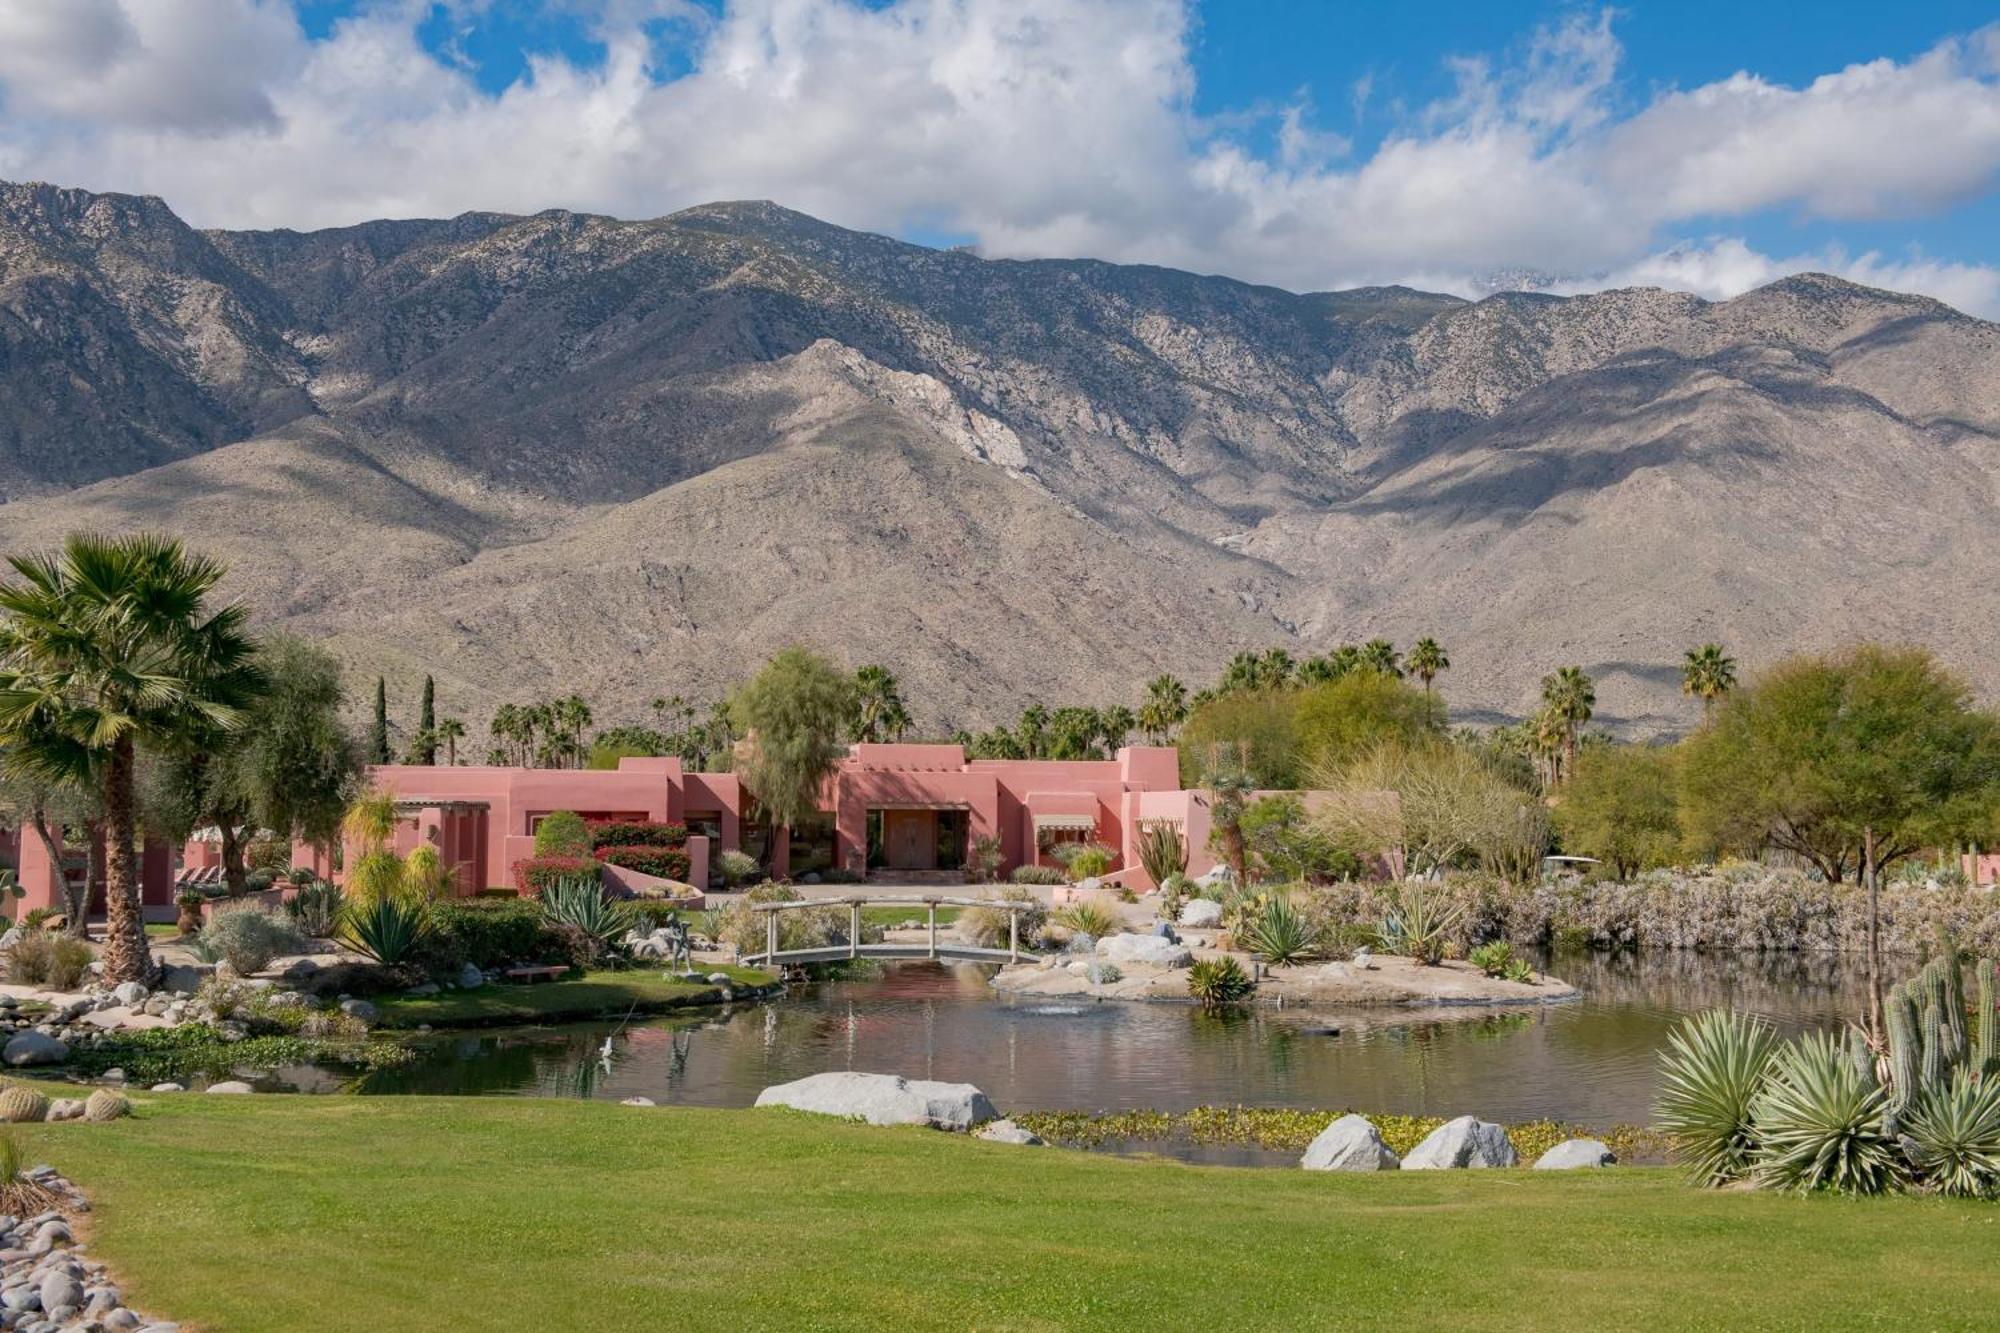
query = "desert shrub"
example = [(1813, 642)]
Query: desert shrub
[(1710, 1075), (388, 930), (331, 1025), (29, 956), (983, 858), (1088, 861), (1493, 958), (809, 928), (986, 927), (258, 880), (735, 867), (354, 978), (300, 876), (1106, 973), (1420, 922), (562, 833), (582, 907), (1037, 875), (648, 859), (1219, 981), (1284, 845), (1086, 918), (316, 908), (649, 914), (489, 934), (426, 876), (645, 833), (533, 875), (1280, 934), (248, 937), (1161, 851)]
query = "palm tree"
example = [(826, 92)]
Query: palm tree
[(1115, 723), (1275, 669), (878, 704), (571, 716), (1707, 673), (1244, 672), (1345, 660), (109, 644), (1229, 788), (450, 731), (1381, 655), (1166, 707), (1028, 732), (1569, 696), (1426, 660)]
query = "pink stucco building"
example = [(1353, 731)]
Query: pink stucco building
[(910, 809)]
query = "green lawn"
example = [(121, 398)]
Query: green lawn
[(594, 995), (394, 1213)]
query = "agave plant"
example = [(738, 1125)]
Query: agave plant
[(1709, 1077), (1954, 1136), (1420, 922), (1279, 934), (1161, 851), (387, 929), (578, 901), (1818, 1120), (1219, 981), (316, 907), (1086, 919)]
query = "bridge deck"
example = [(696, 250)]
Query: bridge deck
[(833, 953)]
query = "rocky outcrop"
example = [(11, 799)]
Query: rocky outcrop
[(885, 1099), (1351, 1143), (1147, 950), (1464, 1142)]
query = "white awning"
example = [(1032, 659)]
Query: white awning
[(1065, 822)]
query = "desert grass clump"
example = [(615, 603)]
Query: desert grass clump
[(1086, 918), (1032, 874), (22, 1106), (248, 936), (43, 958), (20, 1195), (986, 927), (1216, 982)]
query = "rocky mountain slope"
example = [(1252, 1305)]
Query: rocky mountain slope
[(537, 453)]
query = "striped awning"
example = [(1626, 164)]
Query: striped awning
[(1065, 822)]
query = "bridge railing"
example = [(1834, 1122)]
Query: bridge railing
[(930, 902)]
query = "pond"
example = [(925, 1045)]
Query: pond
[(1591, 1061)]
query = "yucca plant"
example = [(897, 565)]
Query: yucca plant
[(316, 908), (1709, 1078), (1279, 934), (1161, 851), (387, 929), (578, 901), (1954, 1136), (1420, 922), (1219, 981), (1090, 919), (1818, 1121)]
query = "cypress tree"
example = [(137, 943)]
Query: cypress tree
[(427, 749), (378, 738)]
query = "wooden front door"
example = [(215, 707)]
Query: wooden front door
[(909, 839)]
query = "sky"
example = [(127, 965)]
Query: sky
[(1310, 144)]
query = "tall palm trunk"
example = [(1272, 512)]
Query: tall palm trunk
[(125, 955), (1874, 881)]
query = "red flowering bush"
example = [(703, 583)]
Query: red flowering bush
[(663, 862), (642, 834), (535, 873)]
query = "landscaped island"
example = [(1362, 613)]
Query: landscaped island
[(1384, 979)]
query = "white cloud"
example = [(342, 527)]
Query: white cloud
[(1039, 127)]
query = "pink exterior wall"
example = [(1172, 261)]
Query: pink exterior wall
[(41, 882), (1981, 867)]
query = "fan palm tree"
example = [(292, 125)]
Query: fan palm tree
[(1707, 673), (1569, 696), (1275, 669), (1317, 670), (450, 731), (1244, 672), (878, 705), (1345, 660), (1381, 655), (1115, 724), (1427, 659), (1166, 707), (107, 645), (571, 716)]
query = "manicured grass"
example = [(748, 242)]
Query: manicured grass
[(595, 994), (162, 930), (407, 1213)]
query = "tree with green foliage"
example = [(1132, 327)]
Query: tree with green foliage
[(1227, 776), (425, 745), (378, 735), (1427, 661), (793, 714), (1621, 806), (450, 731), (1707, 673), (1166, 707), (1432, 805), (1569, 697), (879, 713), (1288, 847), (1380, 655), (60, 813), (1263, 723), (1115, 725), (562, 833), (108, 645), (1853, 761), (1344, 717)]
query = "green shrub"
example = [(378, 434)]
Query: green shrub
[(1161, 850), (1089, 861), (645, 833), (660, 862), (649, 914), (490, 934), (1086, 918), (1709, 1077), (533, 875), (1037, 875), (1955, 1133), (1420, 922), (1219, 981), (1493, 959), (986, 927), (1279, 934), (388, 930), (1818, 1121), (808, 928), (582, 906), (248, 936), (316, 908), (562, 833), (734, 867)]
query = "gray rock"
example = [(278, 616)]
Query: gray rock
[(65, 1108), (34, 1048), (428, 988), (1201, 913), (185, 978), (168, 1087), (638, 1101), (22, 1297), (131, 993), (885, 1099), (1006, 1131), (1351, 1143), (1464, 1142), (60, 1291), (471, 977), (118, 1321), (300, 969), (718, 979), (114, 1075), (231, 1086), (1571, 1154), (1147, 949), (360, 1009)]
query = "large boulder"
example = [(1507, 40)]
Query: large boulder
[(1006, 1131), (34, 1048), (1201, 913), (131, 993), (885, 1099), (1571, 1154), (1351, 1143), (1148, 949), (231, 1087), (1464, 1142), (185, 978)]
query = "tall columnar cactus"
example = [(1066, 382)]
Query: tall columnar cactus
[(1952, 1000), (1986, 1051), (1929, 1037), (1905, 1052)]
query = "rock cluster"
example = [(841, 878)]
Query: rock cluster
[(1352, 1143), (48, 1282), (885, 1099)]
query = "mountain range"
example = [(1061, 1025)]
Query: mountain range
[(632, 458)]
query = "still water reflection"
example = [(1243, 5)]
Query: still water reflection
[(1591, 1061)]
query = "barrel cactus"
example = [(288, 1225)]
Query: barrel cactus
[(19, 1105), (104, 1104)]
